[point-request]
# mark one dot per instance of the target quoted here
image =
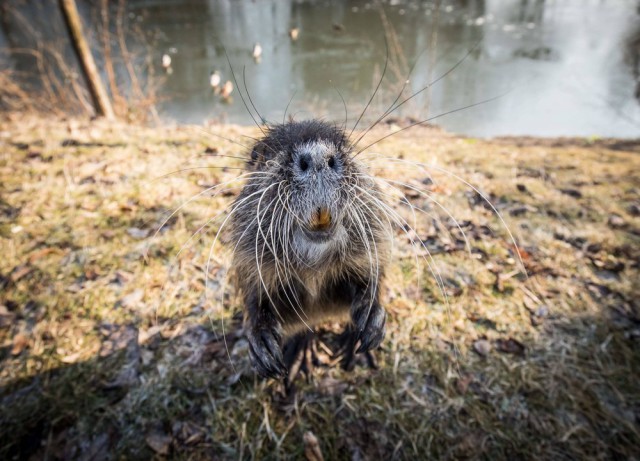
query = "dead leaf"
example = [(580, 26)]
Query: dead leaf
[(129, 206), (510, 346), (71, 358), (403, 306), (312, 447), (462, 383), (20, 272), (522, 210), (158, 441), (609, 264), (438, 189), (123, 277), (188, 433), (92, 273), (74, 288), (41, 253), (6, 316), (521, 252), (575, 193), (634, 209), (132, 299), (20, 342)]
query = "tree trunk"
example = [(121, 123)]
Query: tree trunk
[(74, 25)]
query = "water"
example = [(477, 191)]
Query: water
[(559, 68)]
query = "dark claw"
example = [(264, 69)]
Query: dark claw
[(370, 328), (300, 356), (371, 341), (348, 340), (265, 353)]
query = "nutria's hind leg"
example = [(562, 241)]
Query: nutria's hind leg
[(300, 356), (348, 340)]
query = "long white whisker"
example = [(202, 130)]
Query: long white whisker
[(200, 194), (206, 282), (277, 261), (259, 263), (287, 264), (424, 167), (443, 208), (402, 223)]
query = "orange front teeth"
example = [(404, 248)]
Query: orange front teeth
[(321, 219)]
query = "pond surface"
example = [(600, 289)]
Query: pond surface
[(549, 68), (563, 67)]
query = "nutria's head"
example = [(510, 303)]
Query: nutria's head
[(306, 201), (310, 163), (312, 160)]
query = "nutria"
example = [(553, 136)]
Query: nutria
[(311, 240)]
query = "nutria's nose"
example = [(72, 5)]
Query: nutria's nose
[(305, 161), (321, 219), (311, 162)]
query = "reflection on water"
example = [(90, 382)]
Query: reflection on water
[(565, 67)]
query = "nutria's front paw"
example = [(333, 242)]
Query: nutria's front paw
[(265, 351), (369, 320)]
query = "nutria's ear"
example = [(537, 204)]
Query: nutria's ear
[(259, 153)]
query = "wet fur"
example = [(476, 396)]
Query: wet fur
[(289, 281)]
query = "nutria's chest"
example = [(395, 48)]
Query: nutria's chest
[(317, 294), (317, 297)]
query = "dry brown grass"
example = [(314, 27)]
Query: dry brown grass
[(107, 355)]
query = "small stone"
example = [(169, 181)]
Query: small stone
[(542, 311), (482, 347), (616, 221), (538, 315), (137, 233)]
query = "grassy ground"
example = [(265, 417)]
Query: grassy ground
[(111, 345)]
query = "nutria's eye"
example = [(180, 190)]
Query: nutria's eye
[(303, 163), (332, 162)]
